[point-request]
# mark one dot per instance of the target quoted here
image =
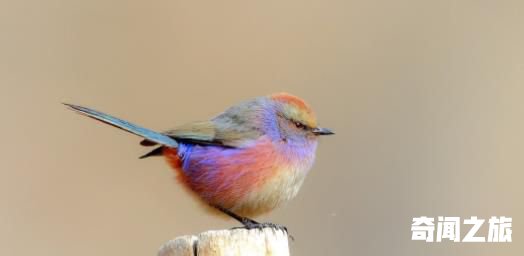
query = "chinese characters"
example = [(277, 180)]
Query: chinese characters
[(449, 228)]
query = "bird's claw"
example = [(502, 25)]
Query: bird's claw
[(260, 226)]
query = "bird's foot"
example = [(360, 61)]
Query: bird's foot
[(266, 225), (251, 224)]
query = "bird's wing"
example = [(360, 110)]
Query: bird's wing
[(236, 127), (210, 133), (197, 132)]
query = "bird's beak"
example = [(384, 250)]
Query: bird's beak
[(322, 131)]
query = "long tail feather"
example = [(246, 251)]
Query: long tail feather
[(126, 126)]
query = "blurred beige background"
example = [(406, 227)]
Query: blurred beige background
[(426, 98)]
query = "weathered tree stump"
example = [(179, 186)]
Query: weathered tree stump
[(230, 242)]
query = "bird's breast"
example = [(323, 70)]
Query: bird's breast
[(249, 181)]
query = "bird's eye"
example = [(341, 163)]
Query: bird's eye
[(299, 125)]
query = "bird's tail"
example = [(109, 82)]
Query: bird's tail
[(150, 135)]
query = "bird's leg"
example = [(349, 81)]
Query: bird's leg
[(251, 224), (247, 222)]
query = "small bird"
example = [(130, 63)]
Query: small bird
[(244, 162)]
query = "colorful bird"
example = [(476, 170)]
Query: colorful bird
[(246, 161)]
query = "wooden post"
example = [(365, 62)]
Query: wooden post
[(230, 242)]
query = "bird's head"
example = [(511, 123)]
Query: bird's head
[(296, 120)]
